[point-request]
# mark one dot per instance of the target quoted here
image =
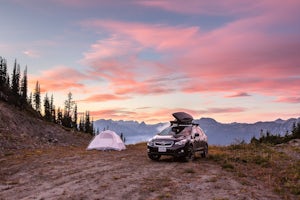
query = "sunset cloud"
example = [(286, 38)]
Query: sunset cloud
[(59, 78), (31, 53), (226, 59), (239, 94), (103, 97), (288, 99), (222, 110)]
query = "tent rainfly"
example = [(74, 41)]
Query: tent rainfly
[(107, 140)]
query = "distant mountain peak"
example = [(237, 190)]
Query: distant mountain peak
[(280, 121), (207, 119)]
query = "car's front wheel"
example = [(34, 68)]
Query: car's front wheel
[(190, 155), (154, 157)]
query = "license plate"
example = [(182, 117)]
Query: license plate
[(162, 149)]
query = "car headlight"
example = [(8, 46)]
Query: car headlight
[(150, 143), (181, 142)]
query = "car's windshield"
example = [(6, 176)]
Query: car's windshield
[(167, 131), (174, 130)]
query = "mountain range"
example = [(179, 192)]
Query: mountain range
[(218, 133)]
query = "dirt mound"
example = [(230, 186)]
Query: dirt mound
[(20, 129)]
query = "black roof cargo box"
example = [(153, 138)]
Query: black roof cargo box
[(182, 117)]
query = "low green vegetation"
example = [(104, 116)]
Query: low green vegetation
[(278, 139), (273, 160)]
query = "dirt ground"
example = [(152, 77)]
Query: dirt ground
[(74, 173)]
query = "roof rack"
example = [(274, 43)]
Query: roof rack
[(183, 123)]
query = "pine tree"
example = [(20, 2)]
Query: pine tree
[(15, 85), (53, 113), (47, 110), (30, 99), (67, 119), (23, 92), (75, 117), (87, 122), (3, 74), (59, 116), (52, 109), (24, 86), (81, 124), (296, 131), (7, 85), (69, 103), (37, 97), (92, 130)]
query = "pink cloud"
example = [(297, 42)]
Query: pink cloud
[(31, 53), (248, 53), (239, 94), (156, 36), (288, 100), (103, 97), (114, 113), (59, 78), (116, 60), (222, 110)]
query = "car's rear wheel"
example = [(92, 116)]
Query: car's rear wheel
[(204, 154), (154, 157)]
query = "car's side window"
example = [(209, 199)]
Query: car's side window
[(186, 131)]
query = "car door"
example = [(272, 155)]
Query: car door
[(196, 137), (202, 138)]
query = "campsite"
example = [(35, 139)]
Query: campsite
[(53, 163)]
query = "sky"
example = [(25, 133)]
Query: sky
[(142, 60)]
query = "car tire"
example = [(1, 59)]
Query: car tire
[(154, 157), (204, 154), (190, 156)]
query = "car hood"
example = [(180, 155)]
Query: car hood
[(168, 137)]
